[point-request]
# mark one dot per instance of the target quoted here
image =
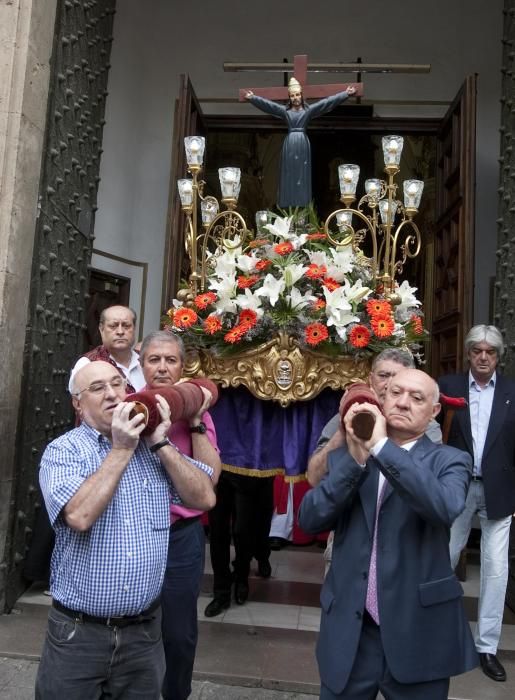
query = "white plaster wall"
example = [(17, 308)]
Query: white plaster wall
[(157, 40)]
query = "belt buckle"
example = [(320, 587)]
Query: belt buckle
[(116, 621)]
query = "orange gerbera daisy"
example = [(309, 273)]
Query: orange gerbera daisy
[(418, 327), (184, 317), (248, 317), (258, 242), (379, 307), (382, 326), (319, 304), (316, 272), (283, 248), (263, 264), (202, 301), (330, 283), (315, 333), (359, 337), (235, 334), (319, 236), (212, 324), (246, 282)]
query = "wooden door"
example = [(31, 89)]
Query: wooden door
[(188, 121), (453, 279)]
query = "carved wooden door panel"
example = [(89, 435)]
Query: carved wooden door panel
[(454, 233), (188, 121)]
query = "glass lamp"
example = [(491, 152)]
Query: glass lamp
[(392, 149), (194, 146), (230, 183), (387, 207), (348, 175), (412, 193), (185, 188)]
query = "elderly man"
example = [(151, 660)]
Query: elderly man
[(486, 430), (162, 360), (392, 614), (108, 497), (117, 328)]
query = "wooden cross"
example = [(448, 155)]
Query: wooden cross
[(300, 71)]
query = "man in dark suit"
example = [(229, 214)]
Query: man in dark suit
[(392, 614), (486, 430)]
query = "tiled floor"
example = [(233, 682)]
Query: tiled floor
[(268, 642)]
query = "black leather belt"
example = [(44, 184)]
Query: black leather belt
[(475, 477), (123, 621), (184, 522)]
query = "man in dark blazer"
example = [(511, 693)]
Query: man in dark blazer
[(392, 613), (486, 430)]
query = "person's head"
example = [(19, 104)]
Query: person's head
[(296, 100), (117, 327), (484, 347), (385, 366), (162, 358), (97, 388), (411, 401)]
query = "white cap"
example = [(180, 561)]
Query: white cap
[(81, 362)]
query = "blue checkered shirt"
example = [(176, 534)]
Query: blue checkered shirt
[(116, 567)]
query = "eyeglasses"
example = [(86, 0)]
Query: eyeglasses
[(98, 388)]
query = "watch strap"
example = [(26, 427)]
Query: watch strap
[(158, 445), (201, 428)]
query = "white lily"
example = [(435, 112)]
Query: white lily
[(225, 265), (338, 309), (281, 228), (224, 287), (342, 263), (297, 300), (318, 257), (292, 273), (408, 301), (250, 300), (246, 263), (356, 292), (271, 288), (225, 305)]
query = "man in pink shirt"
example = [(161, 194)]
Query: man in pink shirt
[(162, 359)]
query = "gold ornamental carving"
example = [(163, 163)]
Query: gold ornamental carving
[(278, 370)]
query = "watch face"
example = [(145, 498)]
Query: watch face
[(200, 428)]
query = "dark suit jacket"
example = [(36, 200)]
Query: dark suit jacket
[(424, 630), (498, 463)]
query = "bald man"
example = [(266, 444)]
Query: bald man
[(108, 498), (392, 615)]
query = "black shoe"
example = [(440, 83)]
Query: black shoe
[(217, 606), (264, 569), (241, 592), (492, 667), (277, 543)]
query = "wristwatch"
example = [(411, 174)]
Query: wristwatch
[(200, 428)]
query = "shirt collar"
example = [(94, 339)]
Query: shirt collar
[(491, 382)]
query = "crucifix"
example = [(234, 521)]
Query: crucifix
[(300, 72), (295, 168)]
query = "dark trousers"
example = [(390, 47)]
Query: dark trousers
[(371, 674), (90, 661), (246, 502), (181, 589)]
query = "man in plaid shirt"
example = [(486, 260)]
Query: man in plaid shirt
[(108, 497)]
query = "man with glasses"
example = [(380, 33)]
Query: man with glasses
[(108, 497), (117, 328), (486, 430)]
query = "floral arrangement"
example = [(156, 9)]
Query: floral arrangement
[(293, 279)]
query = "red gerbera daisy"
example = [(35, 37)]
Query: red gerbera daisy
[(382, 325), (315, 333), (212, 324), (248, 317), (319, 236), (319, 304), (246, 282), (330, 283), (359, 337), (263, 264), (202, 301), (316, 272), (235, 334), (184, 317), (379, 307), (283, 248), (258, 242)]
